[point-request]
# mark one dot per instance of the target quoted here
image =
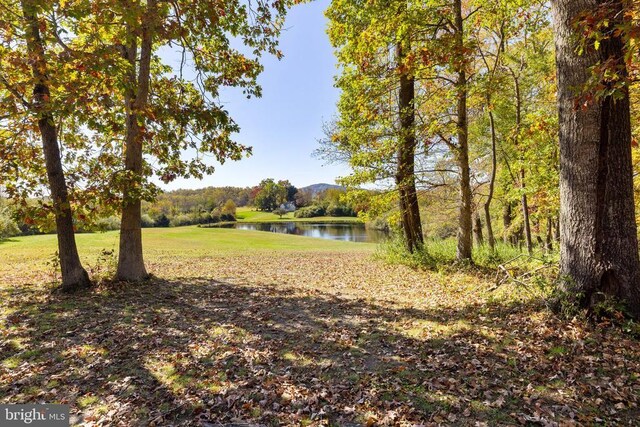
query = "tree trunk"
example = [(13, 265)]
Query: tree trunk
[(74, 276), (462, 152), (549, 237), (506, 222), (477, 230), (130, 260), (494, 154), (525, 214), (492, 181), (598, 246), (405, 173), (523, 186)]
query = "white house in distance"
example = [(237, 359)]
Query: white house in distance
[(289, 206)]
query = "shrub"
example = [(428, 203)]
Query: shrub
[(216, 215), (339, 210), (108, 223), (201, 218), (229, 209), (310, 212), (182, 219), (8, 227), (379, 223), (147, 221), (162, 221), (445, 231)]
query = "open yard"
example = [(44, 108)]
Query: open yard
[(272, 329)]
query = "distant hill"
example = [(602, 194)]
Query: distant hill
[(319, 188)]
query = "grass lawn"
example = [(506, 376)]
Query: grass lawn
[(271, 329), (33, 254), (247, 214)]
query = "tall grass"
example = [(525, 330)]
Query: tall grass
[(438, 254), (515, 274)]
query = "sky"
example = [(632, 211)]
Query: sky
[(284, 125)]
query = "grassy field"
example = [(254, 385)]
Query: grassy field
[(21, 255), (273, 330), (247, 214)]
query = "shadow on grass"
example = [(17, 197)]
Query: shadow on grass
[(196, 350)]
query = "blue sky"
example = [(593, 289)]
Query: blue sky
[(284, 125)]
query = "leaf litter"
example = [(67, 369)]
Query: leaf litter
[(311, 339)]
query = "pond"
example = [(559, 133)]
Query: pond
[(348, 232)]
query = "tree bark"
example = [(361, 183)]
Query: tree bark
[(598, 245), (131, 266), (462, 151), (405, 172), (74, 276)]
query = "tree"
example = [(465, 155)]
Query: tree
[(270, 195), (489, 89), (165, 112), (229, 208), (291, 191), (30, 55), (130, 259), (516, 137), (461, 148), (407, 145), (598, 246), (8, 226), (280, 212), (303, 198), (376, 45)]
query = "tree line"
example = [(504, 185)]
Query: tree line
[(215, 204), (208, 205)]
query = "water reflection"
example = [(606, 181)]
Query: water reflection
[(347, 232)]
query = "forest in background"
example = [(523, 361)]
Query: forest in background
[(209, 205)]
